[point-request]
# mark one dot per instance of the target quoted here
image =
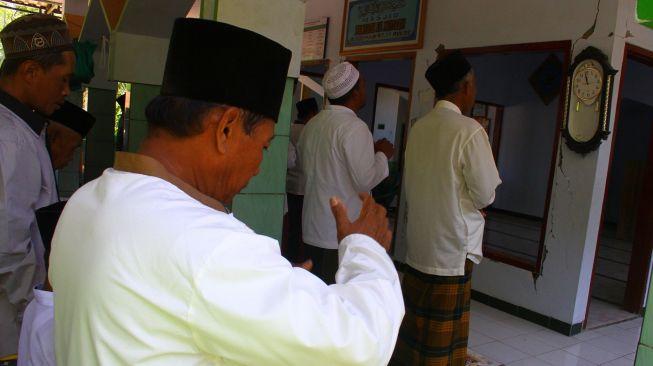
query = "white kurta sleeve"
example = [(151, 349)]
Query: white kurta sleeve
[(21, 176), (479, 169), (366, 168), (251, 307)]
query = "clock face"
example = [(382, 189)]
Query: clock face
[(587, 82)]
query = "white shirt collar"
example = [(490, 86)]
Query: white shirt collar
[(447, 105)]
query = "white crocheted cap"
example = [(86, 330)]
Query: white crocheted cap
[(339, 80)]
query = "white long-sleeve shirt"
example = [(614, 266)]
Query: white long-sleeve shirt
[(449, 176), (26, 184), (295, 180), (145, 273), (336, 153), (36, 347)]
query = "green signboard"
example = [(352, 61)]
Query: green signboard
[(645, 12)]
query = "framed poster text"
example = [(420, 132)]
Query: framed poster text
[(371, 26)]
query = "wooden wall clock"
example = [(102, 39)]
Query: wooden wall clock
[(587, 106)]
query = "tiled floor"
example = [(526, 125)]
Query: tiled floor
[(512, 341), (603, 313)]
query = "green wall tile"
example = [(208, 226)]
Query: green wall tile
[(141, 94), (103, 129), (285, 113), (263, 213), (647, 326), (101, 102), (644, 356), (137, 132), (272, 177), (645, 349)]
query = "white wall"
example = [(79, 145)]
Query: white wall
[(579, 183), (333, 10)]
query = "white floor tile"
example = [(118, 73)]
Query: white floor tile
[(631, 323), (562, 358), (628, 336), (591, 353), (556, 339), (477, 339), (530, 344), (523, 326), (530, 362), (500, 352), (620, 362), (611, 329), (614, 345), (494, 329), (586, 335)]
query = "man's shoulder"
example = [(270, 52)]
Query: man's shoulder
[(455, 120), (12, 128)]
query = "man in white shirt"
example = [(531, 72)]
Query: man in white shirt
[(148, 268), (339, 158), (39, 61), (449, 177)]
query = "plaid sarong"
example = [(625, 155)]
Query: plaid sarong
[(436, 325)]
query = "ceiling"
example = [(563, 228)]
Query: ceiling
[(41, 6)]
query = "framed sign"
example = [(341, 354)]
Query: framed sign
[(382, 25), (314, 40)]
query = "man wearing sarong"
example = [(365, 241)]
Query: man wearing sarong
[(450, 176)]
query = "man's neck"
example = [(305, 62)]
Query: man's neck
[(9, 86), (457, 100)]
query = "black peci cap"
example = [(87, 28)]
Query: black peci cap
[(444, 73), (221, 63), (74, 117)]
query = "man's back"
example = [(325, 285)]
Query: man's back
[(450, 174), (144, 274), (337, 156)]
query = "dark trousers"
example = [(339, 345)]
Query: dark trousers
[(325, 263), (293, 247)]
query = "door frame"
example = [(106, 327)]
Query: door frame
[(637, 278)]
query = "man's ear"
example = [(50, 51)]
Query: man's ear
[(226, 128), (29, 70)]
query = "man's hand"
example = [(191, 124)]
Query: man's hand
[(307, 265), (372, 221), (384, 146)]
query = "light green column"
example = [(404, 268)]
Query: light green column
[(645, 348), (261, 204), (100, 143), (68, 178), (141, 94)]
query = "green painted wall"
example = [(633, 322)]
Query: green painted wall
[(100, 140), (261, 204), (68, 178), (141, 94), (645, 348)]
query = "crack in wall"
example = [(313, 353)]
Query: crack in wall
[(560, 165)]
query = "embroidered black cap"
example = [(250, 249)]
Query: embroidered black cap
[(35, 34), (221, 63)]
